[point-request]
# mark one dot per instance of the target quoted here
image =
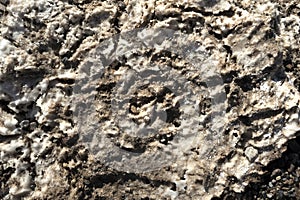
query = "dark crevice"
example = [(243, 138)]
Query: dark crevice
[(173, 115), (267, 113), (227, 13), (97, 18), (228, 49), (229, 76), (161, 17), (247, 82), (201, 10), (5, 174), (209, 181), (233, 99), (276, 72), (245, 137), (255, 30), (226, 158), (205, 106), (33, 24), (275, 24), (269, 34), (106, 87), (78, 3), (4, 105), (222, 35), (115, 20), (6, 138)]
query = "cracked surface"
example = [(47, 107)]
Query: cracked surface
[(43, 45)]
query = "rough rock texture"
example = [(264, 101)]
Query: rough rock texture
[(45, 45)]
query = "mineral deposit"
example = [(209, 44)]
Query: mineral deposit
[(150, 99)]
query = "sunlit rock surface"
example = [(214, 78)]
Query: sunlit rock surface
[(224, 126)]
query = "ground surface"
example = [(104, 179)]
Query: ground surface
[(222, 126)]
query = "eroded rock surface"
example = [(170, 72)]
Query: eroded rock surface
[(45, 46)]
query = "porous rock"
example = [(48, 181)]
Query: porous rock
[(45, 43)]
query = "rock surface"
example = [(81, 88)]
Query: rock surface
[(65, 111)]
